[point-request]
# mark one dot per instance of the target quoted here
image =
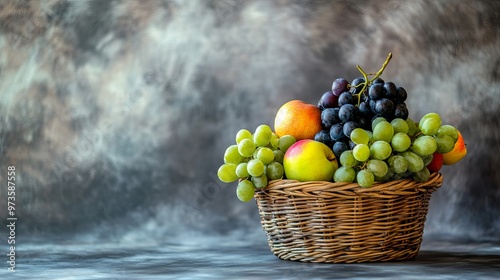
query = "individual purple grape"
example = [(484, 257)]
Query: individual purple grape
[(336, 132), (355, 85), (329, 117), (379, 81), (364, 108), (373, 106), (390, 90), (401, 111), (347, 112), (323, 136), (401, 94), (385, 108), (376, 91), (339, 147), (336, 111), (328, 100), (346, 98), (349, 127), (339, 86)]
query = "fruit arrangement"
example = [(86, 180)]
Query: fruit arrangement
[(358, 132)]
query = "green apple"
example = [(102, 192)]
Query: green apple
[(309, 160)]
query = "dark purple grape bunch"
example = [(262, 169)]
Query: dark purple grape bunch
[(348, 106)]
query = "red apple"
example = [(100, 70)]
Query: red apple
[(436, 163)]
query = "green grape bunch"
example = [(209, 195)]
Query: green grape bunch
[(394, 150), (254, 159)]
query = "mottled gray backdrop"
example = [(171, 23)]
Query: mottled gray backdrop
[(116, 114)]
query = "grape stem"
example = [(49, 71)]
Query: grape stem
[(365, 76)]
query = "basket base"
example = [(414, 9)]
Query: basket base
[(344, 223), (361, 256)]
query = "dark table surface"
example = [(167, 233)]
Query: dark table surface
[(223, 260)]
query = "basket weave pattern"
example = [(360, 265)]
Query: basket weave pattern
[(343, 222)]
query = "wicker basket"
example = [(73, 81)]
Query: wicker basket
[(343, 222)]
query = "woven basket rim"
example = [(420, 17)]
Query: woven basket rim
[(328, 189)]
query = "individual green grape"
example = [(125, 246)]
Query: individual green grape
[(245, 190), (427, 159), (274, 141), (246, 147), (255, 167), (414, 161), (424, 145), (383, 131), (262, 135), (444, 143), (400, 142), (227, 173), (231, 155), (380, 150), (376, 121), (242, 171), (344, 174), (275, 171), (448, 130), (347, 159), (265, 155), (430, 123), (387, 177), (430, 126), (430, 116), (243, 134), (412, 127), (259, 182), (397, 163), (422, 175), (359, 136), (279, 155), (400, 125), (361, 152), (365, 178), (378, 167), (285, 142)]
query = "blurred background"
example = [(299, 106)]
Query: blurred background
[(116, 114)]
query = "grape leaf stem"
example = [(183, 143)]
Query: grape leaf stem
[(365, 76)]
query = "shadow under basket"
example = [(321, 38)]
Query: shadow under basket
[(343, 222)]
